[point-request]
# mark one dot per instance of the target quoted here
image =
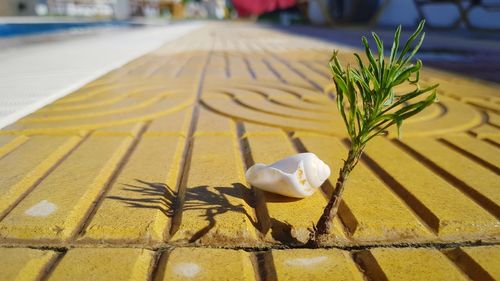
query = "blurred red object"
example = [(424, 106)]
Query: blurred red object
[(258, 7)]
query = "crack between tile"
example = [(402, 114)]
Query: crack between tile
[(166, 246)]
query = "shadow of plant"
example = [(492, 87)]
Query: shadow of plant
[(154, 196), (212, 201)]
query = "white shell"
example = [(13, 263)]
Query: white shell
[(297, 176)]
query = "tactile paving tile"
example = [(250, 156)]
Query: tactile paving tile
[(188, 263), (140, 173)]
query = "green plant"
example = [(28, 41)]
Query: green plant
[(369, 106)]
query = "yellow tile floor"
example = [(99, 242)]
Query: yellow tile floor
[(139, 174)]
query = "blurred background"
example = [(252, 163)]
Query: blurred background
[(473, 14), (463, 35)]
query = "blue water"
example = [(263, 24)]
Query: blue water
[(21, 29)]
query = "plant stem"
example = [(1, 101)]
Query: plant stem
[(325, 222)]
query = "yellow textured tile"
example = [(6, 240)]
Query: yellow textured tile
[(457, 117), (488, 105), (159, 68), (125, 87), (23, 264), (215, 70), (193, 66), (86, 93), (213, 123), (131, 129), (319, 64), (304, 93), (291, 218), (88, 100), (5, 140), (238, 68), (493, 118), (379, 217), (139, 205), (479, 148), (495, 141), (261, 70), (485, 131), (460, 87), (93, 103), (176, 123), (215, 210), (205, 264), (252, 129), (125, 106), (9, 143), (157, 109), (94, 96), (443, 207), (310, 74), (413, 264), (286, 73), (487, 257), (25, 166), (103, 264), (56, 207), (296, 102), (258, 102), (171, 68), (482, 184), (222, 103), (317, 264)]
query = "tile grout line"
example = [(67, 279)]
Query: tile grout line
[(466, 264), (154, 265), (359, 266), (274, 71), (314, 69), (260, 206), (471, 156), (51, 266), (92, 209), (490, 142), (299, 73), (227, 65), (45, 175), (159, 270), (469, 191), (263, 266), (249, 68), (368, 265), (176, 219), (166, 246), (418, 208)]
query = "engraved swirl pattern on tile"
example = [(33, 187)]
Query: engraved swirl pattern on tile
[(95, 108), (296, 108), (289, 107)]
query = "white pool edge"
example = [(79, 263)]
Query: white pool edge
[(26, 110)]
